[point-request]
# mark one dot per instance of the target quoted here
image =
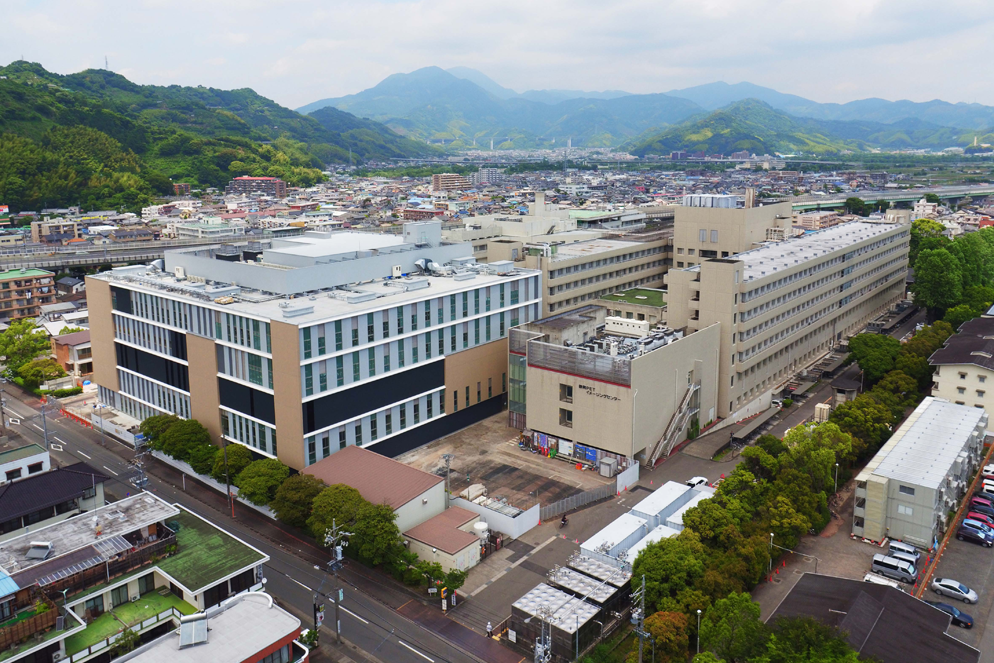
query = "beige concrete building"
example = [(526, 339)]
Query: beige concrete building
[(701, 233), (449, 181), (591, 386), (42, 229), (964, 366), (910, 486), (816, 220), (322, 341), (784, 304)]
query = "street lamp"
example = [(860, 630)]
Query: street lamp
[(227, 475), (836, 478), (698, 630), (771, 552)]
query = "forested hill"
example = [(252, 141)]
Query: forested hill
[(99, 140)]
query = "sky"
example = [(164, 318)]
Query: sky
[(301, 51)]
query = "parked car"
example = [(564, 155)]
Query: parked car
[(954, 589), (982, 517), (976, 531), (982, 505), (988, 469), (960, 618), (697, 481), (909, 552)]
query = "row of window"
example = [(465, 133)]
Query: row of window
[(344, 369), (249, 432), (583, 283), (374, 426), (162, 397), (126, 404), (246, 366), (380, 325), (182, 315), (603, 262), (239, 330)]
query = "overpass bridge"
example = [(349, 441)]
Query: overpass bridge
[(949, 193)]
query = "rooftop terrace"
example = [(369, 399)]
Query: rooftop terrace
[(641, 296)]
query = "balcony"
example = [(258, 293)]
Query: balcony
[(32, 622)]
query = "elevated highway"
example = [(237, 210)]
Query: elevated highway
[(948, 193)]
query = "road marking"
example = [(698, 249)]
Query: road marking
[(110, 470), (38, 427), (344, 609), (56, 447), (523, 559), (84, 455), (404, 644), (59, 440), (295, 580)]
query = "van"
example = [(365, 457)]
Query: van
[(903, 556), (898, 569), (907, 549)]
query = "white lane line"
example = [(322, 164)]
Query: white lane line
[(38, 427), (110, 470), (404, 644), (84, 455), (59, 440), (344, 609)]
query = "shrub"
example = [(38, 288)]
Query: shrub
[(65, 393), (787, 402), (239, 458), (183, 438), (259, 481), (295, 498)]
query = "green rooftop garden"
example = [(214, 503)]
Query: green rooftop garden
[(205, 554), (31, 642), (116, 620), (642, 296)]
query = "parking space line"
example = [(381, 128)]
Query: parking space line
[(505, 571)]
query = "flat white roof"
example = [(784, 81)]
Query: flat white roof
[(245, 625), (661, 498), (339, 242), (592, 247), (615, 532), (565, 607), (677, 517), (925, 446)]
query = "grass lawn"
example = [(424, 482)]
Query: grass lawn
[(205, 554), (99, 629), (125, 615), (643, 296), (10, 653)]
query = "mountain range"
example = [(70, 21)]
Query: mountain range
[(462, 107)]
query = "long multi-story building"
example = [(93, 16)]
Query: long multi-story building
[(449, 181), (24, 291), (704, 232), (270, 186), (785, 303), (318, 341)]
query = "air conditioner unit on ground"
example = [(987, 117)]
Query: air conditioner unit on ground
[(135, 598)]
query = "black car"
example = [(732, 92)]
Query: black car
[(959, 618), (982, 508)]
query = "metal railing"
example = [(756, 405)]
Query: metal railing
[(576, 501), (171, 613), (676, 424)]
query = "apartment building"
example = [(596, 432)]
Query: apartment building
[(784, 304), (486, 176), (910, 486), (449, 182), (24, 291), (816, 220), (323, 340), (181, 189), (703, 232), (964, 366), (40, 230), (273, 187), (590, 385), (73, 353)]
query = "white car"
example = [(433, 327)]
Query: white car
[(697, 481), (954, 589), (988, 469)]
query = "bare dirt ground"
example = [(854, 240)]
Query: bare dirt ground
[(487, 452)]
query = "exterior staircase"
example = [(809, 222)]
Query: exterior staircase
[(677, 423)]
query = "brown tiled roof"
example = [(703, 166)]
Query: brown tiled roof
[(443, 531), (75, 338), (972, 344), (378, 479)]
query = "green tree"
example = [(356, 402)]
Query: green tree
[(21, 342), (153, 427), (933, 198), (41, 370), (669, 566), (881, 205), (866, 419), (259, 481), (375, 536), (959, 314), (239, 458), (855, 206), (431, 573), (771, 444), (454, 578), (795, 639), (338, 503), (917, 367), (294, 499), (201, 458), (70, 330), (126, 643), (183, 437), (668, 633), (875, 353), (923, 230), (938, 281), (731, 629)]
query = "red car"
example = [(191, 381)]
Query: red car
[(987, 520)]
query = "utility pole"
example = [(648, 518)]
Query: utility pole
[(335, 539), (3, 416), (638, 616), (543, 644), (448, 465), (44, 424), (227, 476)]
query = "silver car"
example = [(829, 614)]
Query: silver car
[(954, 589)]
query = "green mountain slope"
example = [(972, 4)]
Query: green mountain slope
[(151, 134)]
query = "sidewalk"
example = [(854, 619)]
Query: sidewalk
[(372, 583)]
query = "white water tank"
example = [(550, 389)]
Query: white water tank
[(482, 530)]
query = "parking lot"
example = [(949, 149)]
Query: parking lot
[(972, 565)]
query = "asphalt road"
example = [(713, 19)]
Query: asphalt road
[(295, 572)]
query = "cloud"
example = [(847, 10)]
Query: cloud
[(300, 51)]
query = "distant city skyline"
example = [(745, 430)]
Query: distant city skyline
[(298, 52)]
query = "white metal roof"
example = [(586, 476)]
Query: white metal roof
[(925, 446), (661, 498), (677, 517), (565, 608), (615, 532)]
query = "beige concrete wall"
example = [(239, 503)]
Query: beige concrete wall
[(947, 382), (661, 378), (102, 333), (602, 412), (418, 510), (738, 229), (204, 398), (287, 397), (465, 559), (875, 520), (487, 362)]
